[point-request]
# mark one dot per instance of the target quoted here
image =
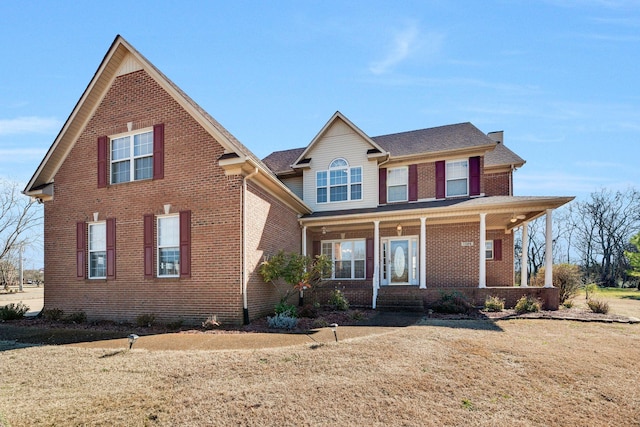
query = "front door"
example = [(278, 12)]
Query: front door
[(400, 261)]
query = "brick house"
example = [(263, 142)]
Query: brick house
[(152, 207)]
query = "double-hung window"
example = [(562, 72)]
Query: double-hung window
[(340, 183), (132, 157), (489, 249), (457, 174), (397, 179), (348, 258), (97, 250), (169, 246)]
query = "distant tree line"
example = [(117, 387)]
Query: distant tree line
[(597, 234)]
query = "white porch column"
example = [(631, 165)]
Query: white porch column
[(548, 252), (376, 262), (423, 253), (483, 251), (304, 240), (524, 270)]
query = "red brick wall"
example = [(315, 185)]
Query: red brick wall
[(449, 264), (500, 273), (497, 184), (192, 181), (271, 227)]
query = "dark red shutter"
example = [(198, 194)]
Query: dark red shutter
[(158, 151), (440, 179), (185, 244), (474, 176), (81, 250), (102, 161), (316, 248), (111, 248), (497, 250), (148, 245), (382, 183), (369, 257), (413, 183)]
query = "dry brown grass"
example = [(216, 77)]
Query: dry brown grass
[(441, 373)]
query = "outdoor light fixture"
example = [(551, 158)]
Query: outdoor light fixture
[(324, 230), (132, 339), (399, 229), (334, 328)]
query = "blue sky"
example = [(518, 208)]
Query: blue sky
[(561, 78)]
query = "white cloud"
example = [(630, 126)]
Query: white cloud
[(406, 44), (22, 125)]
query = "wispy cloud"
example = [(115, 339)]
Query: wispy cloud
[(22, 125), (407, 43)]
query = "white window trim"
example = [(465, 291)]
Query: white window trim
[(406, 185), (447, 179), (349, 183), (158, 247), (353, 260), (131, 158), (489, 247), (90, 251)]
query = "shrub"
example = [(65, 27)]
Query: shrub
[(145, 320), (338, 301), (568, 304), (282, 321), (598, 306), (494, 304), (13, 311), (77, 317), (308, 310), (565, 277), (453, 303), (285, 308), (527, 304), (53, 314), (590, 289)]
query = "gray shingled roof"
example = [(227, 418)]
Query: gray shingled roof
[(423, 141)]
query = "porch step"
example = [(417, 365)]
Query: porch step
[(400, 302)]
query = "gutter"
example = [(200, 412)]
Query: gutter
[(245, 274)]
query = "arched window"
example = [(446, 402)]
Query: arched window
[(339, 183)]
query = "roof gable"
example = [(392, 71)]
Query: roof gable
[(337, 124), (120, 59)]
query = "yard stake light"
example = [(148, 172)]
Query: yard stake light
[(132, 339), (334, 328)]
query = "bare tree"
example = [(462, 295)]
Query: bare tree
[(603, 226), (19, 216)]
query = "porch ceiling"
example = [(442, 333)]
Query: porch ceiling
[(503, 212)]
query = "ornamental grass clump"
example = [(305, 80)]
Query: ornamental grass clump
[(598, 306), (493, 303), (527, 304)]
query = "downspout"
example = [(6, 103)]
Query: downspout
[(511, 180), (245, 274)]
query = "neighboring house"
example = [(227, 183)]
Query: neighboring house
[(152, 207)]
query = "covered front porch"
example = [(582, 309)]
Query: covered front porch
[(425, 248)]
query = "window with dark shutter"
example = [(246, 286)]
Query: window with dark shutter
[(158, 151), (111, 248), (497, 250), (474, 176), (440, 179), (185, 244), (382, 186), (81, 247), (370, 257), (102, 161), (413, 183), (148, 245)]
